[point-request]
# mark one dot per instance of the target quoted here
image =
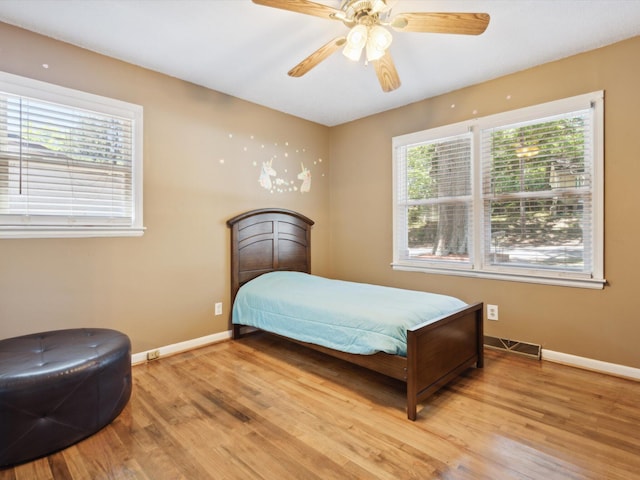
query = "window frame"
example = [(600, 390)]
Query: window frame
[(476, 267), (58, 226)]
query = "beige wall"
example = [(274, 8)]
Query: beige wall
[(598, 324), (161, 288)]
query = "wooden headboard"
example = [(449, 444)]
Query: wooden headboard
[(265, 240)]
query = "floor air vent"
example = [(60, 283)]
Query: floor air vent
[(521, 348)]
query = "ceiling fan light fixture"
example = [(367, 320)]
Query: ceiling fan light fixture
[(356, 40), (377, 43), (378, 6)]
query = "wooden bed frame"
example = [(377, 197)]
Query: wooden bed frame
[(272, 239)]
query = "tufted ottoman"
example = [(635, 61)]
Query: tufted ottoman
[(59, 387)]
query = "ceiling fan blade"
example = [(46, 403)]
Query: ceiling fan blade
[(462, 23), (316, 57), (302, 6), (386, 72)]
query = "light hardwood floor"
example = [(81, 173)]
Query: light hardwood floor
[(268, 409)]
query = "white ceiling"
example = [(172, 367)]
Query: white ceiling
[(245, 50)]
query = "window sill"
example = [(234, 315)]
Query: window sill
[(562, 281), (75, 232)]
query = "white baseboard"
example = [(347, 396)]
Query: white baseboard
[(590, 364), (549, 355), (141, 357)]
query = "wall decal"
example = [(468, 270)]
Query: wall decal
[(266, 173), (276, 164), (305, 176)]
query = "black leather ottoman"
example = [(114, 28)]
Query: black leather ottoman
[(59, 387)]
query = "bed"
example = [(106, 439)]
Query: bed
[(436, 351)]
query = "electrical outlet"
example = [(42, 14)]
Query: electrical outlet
[(153, 355), (492, 312), (218, 309)]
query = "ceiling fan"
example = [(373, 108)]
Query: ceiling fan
[(367, 21)]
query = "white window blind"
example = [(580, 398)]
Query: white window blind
[(68, 160), (537, 189), (434, 199)]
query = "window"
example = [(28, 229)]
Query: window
[(70, 162), (516, 196)]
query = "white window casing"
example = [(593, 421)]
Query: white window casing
[(535, 211), (70, 162)]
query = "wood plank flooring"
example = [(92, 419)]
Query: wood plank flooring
[(264, 408)]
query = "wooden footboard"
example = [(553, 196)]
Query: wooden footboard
[(439, 351)]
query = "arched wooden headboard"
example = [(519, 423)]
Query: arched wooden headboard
[(266, 240)]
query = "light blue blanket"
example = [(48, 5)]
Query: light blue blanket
[(346, 316)]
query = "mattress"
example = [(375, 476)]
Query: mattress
[(347, 316)]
